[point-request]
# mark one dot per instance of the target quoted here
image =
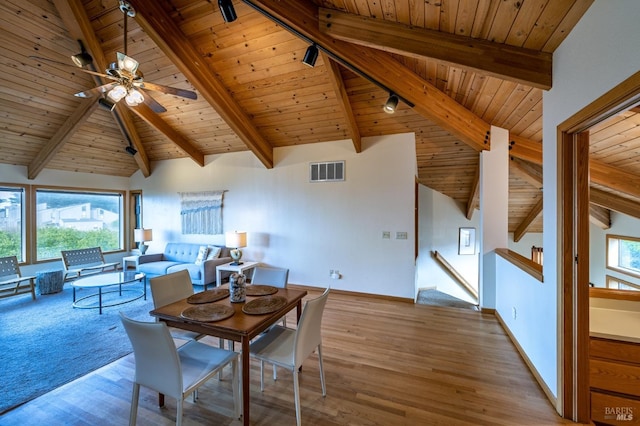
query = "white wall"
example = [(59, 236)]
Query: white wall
[(600, 52), (523, 246), (307, 227), (440, 218), (621, 224)]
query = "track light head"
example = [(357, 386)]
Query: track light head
[(83, 58), (310, 56), (391, 104), (131, 150), (106, 104), (227, 10)]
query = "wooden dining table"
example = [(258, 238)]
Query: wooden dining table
[(240, 327)]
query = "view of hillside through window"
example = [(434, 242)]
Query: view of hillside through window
[(629, 255), (11, 231), (74, 220)]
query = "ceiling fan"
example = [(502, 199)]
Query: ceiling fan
[(126, 79)]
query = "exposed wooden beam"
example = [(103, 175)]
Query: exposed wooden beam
[(77, 22), (62, 135), (333, 71), (474, 195), (526, 223), (614, 202), (599, 216), (614, 178), (527, 171), (526, 66), (158, 25), (302, 17), (599, 172), (525, 149), (144, 112)]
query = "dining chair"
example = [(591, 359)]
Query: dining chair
[(169, 288), (288, 348), (276, 277), (172, 371)]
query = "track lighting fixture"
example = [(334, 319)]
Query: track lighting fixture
[(391, 104), (227, 10), (131, 150), (83, 58), (106, 104), (310, 56)]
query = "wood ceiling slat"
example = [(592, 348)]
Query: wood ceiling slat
[(448, 14), (505, 15), (465, 17), (526, 19), (574, 14)]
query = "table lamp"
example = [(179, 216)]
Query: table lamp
[(141, 236), (235, 240)]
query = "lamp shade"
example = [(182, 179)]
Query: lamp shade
[(142, 235), (235, 239)]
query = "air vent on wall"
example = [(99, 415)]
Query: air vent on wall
[(331, 171)]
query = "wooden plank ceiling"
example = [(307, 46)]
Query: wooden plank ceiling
[(448, 59)]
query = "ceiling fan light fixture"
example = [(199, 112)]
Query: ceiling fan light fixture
[(134, 97), (227, 10), (391, 104), (127, 63), (310, 56), (117, 93)]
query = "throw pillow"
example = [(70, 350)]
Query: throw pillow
[(202, 254), (214, 252)]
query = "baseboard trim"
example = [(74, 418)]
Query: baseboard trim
[(354, 293), (527, 361)]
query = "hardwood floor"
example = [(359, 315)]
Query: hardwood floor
[(386, 363)]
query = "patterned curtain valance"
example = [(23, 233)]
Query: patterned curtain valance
[(201, 212)]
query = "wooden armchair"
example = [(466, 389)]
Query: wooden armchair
[(12, 282), (84, 262)]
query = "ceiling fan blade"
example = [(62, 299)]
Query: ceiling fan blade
[(96, 90), (170, 90), (153, 104), (64, 64)]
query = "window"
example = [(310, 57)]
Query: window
[(618, 284), (623, 254), (67, 220), (12, 232)]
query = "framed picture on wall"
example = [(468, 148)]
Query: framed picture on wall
[(467, 241)]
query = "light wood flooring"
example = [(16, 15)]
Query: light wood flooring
[(386, 363)]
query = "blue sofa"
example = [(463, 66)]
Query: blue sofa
[(179, 256)]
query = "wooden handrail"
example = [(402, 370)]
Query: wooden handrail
[(455, 274), (527, 265), (611, 293)]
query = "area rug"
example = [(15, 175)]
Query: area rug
[(45, 343), (437, 298)]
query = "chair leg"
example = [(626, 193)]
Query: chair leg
[(237, 403), (275, 373), (134, 404), (296, 395), (324, 388), (261, 375), (179, 413)]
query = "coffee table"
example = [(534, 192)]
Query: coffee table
[(100, 281)]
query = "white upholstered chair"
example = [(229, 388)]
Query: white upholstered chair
[(288, 348), (172, 371), (166, 289)]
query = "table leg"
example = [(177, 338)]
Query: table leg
[(100, 300), (245, 380), (144, 287), (218, 274)]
